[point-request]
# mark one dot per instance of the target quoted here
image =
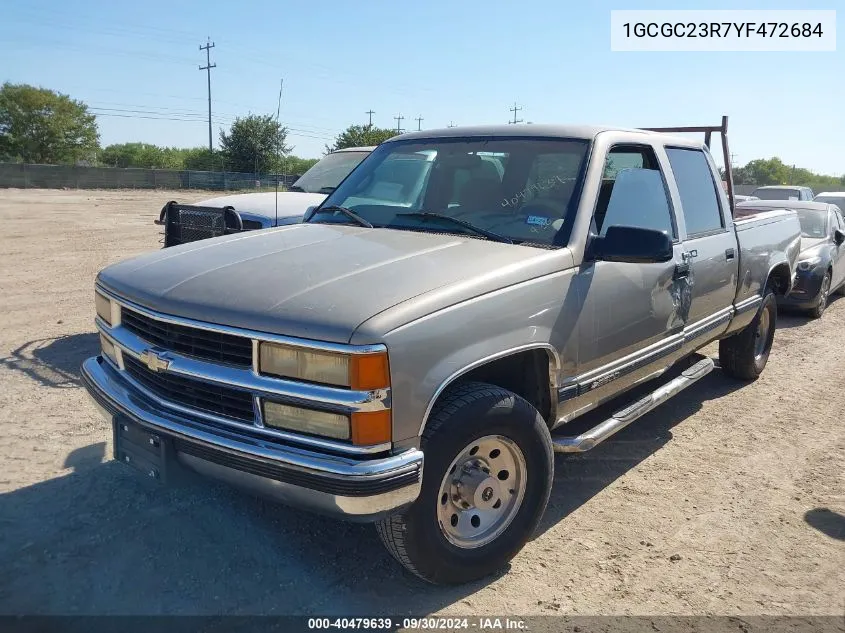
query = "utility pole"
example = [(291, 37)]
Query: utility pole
[(371, 113), (515, 109), (208, 66), (279, 104), (419, 121), (398, 120)]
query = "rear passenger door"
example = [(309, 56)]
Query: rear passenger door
[(710, 244)]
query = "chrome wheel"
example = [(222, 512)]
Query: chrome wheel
[(481, 491), (761, 337)]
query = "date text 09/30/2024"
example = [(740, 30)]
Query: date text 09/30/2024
[(430, 623)]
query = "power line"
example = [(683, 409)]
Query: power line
[(419, 121), (371, 113), (398, 120), (208, 66), (515, 109)]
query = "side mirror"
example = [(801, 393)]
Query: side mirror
[(632, 245), (839, 236), (309, 213)]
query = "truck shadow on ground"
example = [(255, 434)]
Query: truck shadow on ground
[(103, 540), (581, 476), (54, 362)]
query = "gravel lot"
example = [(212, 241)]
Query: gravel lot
[(745, 483)]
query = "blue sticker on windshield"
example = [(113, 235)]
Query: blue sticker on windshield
[(538, 220)]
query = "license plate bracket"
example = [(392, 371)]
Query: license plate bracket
[(142, 449)]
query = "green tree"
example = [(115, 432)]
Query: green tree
[(201, 159), (769, 171), (296, 165), (255, 143), (132, 155), (360, 136), (43, 126)]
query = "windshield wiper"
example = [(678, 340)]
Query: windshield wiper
[(475, 229), (296, 188), (349, 213), (326, 189)]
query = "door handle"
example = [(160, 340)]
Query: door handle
[(730, 254), (681, 271)]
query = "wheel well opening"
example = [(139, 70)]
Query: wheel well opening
[(780, 280), (524, 373)]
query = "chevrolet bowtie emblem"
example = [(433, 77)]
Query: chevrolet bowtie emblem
[(155, 361)]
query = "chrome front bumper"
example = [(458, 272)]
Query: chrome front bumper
[(352, 488)]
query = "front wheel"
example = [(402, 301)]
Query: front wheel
[(486, 482), (824, 294), (745, 354)]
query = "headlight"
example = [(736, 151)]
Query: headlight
[(809, 264), (108, 349), (282, 416), (357, 371), (103, 305)]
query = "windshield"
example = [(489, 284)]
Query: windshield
[(518, 188), (813, 223), (328, 173), (776, 194)]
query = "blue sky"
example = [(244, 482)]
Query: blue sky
[(461, 62)]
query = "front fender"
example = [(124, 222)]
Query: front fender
[(427, 354)]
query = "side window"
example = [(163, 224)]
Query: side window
[(633, 192), (697, 190)]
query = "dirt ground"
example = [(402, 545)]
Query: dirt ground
[(729, 500)]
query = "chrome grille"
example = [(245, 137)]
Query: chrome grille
[(205, 396), (205, 344)]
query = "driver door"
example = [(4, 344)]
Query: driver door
[(633, 315)]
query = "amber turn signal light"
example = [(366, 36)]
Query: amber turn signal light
[(371, 427), (369, 371)]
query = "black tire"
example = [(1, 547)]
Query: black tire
[(824, 296), (738, 354), (462, 415)]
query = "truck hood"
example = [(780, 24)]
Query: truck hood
[(315, 281), (263, 205)]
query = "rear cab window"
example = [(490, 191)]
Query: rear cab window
[(697, 190)]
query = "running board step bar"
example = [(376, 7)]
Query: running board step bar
[(621, 419)]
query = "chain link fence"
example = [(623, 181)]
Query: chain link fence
[(26, 176)]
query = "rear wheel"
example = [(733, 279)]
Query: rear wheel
[(745, 354), (824, 295), (486, 482)]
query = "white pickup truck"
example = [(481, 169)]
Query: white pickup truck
[(250, 211)]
